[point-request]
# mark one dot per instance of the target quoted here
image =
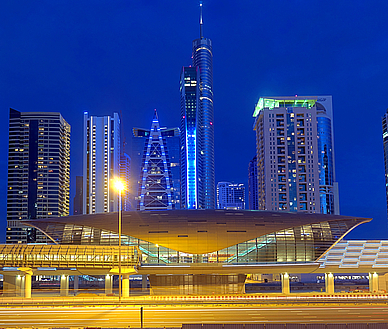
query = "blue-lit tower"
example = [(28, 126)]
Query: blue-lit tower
[(252, 185), (384, 122), (328, 187), (189, 139), (139, 143), (155, 183), (197, 129)]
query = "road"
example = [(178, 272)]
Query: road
[(160, 316)]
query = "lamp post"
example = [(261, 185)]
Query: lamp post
[(119, 186)]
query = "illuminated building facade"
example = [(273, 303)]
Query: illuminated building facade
[(385, 144), (38, 171), (197, 118), (155, 188), (171, 140), (295, 154), (252, 185), (195, 251), (101, 158), (125, 176), (230, 196)]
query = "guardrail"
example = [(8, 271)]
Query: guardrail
[(195, 300)]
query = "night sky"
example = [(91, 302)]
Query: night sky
[(126, 56)]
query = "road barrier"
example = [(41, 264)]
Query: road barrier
[(195, 300)]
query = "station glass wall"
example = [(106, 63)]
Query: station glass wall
[(294, 245)]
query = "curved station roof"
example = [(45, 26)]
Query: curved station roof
[(205, 231)]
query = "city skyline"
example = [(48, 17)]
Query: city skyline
[(56, 61)]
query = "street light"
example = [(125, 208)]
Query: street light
[(119, 187)]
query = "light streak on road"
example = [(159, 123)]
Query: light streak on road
[(175, 316)]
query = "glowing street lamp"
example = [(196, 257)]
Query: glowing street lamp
[(119, 187)]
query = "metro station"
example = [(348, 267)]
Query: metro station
[(198, 252)]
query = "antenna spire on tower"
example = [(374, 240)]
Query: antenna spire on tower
[(200, 21)]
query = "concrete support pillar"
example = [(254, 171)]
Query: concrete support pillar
[(373, 282), (383, 282), (76, 284), (27, 285), (19, 285), (144, 282), (64, 291), (329, 283), (125, 285), (12, 285), (108, 284), (285, 283)]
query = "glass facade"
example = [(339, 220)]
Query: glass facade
[(203, 61), (252, 185), (38, 171), (299, 244), (385, 145), (155, 181), (197, 127), (190, 165), (291, 160), (325, 159), (125, 176), (171, 140)]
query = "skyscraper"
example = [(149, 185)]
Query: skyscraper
[(101, 158), (295, 154), (140, 138), (385, 145), (125, 176), (38, 171), (78, 198), (230, 196), (197, 130), (252, 184), (155, 188)]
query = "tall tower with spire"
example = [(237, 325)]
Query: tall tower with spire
[(197, 127), (155, 178)]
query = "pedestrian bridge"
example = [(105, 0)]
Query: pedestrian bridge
[(19, 262), (67, 256)]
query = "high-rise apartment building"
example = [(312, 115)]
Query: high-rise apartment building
[(197, 129), (385, 144), (230, 196), (38, 171), (155, 188), (101, 158), (252, 184), (295, 154), (140, 139)]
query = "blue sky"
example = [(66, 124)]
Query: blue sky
[(112, 56)]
